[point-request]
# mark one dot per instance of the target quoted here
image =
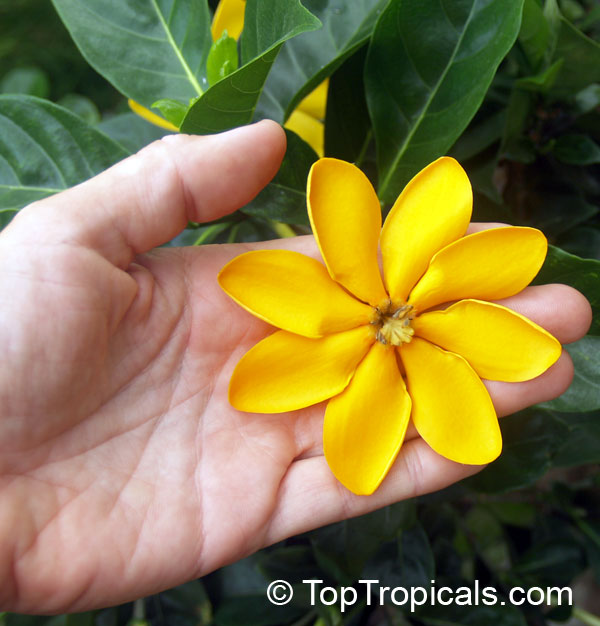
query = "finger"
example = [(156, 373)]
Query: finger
[(310, 496), (561, 310), (147, 199), (511, 397)]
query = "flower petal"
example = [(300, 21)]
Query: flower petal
[(433, 210), (285, 372), (309, 128), (452, 409), (365, 425), (228, 16), (292, 291), (315, 104), (346, 220), (498, 343), (488, 265)]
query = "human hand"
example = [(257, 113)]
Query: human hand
[(123, 468)]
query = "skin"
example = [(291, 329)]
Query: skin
[(123, 469)]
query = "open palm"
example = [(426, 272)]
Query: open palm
[(123, 468)]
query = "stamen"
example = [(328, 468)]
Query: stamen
[(394, 324)]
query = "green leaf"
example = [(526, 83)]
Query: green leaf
[(347, 123), (576, 150), (172, 110), (284, 198), (30, 81), (268, 23), (45, 149), (308, 59), (534, 35), (530, 440), (543, 81), (500, 614), (581, 60), (582, 274), (342, 549), (222, 59), (81, 106), (131, 131), (148, 49), (428, 69), (584, 392), (583, 443), (231, 102)]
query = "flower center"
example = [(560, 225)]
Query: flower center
[(393, 323)]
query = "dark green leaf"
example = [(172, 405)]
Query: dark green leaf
[(583, 274), (583, 241), (581, 60), (534, 35), (267, 23), (231, 102), (418, 564), (342, 549), (131, 131), (554, 563), (172, 110), (583, 442), (347, 124), (584, 392), (284, 199), (6, 216), (479, 136), (576, 150), (30, 81), (543, 81), (472, 615), (428, 68), (81, 106), (488, 535), (306, 60), (530, 440), (45, 149), (148, 49), (222, 59), (513, 513), (256, 610)]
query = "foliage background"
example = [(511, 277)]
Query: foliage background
[(530, 143)]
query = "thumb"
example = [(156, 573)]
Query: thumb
[(148, 198)]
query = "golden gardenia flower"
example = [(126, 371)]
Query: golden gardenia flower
[(383, 350), (306, 119)]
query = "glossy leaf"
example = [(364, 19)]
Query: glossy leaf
[(284, 198), (583, 274), (26, 80), (584, 392), (231, 101), (577, 150), (45, 149), (581, 60), (148, 49), (428, 68), (305, 61), (222, 59), (172, 110), (131, 131), (531, 438)]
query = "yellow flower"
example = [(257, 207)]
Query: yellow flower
[(384, 351), (307, 118)]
